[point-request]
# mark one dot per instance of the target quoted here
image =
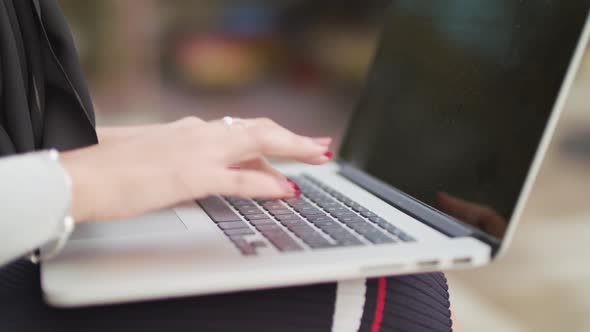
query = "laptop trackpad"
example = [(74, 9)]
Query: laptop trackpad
[(164, 221)]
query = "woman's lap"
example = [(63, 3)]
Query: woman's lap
[(404, 303)]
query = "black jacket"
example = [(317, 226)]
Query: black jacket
[(44, 101)]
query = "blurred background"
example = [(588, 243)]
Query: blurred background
[(302, 63)]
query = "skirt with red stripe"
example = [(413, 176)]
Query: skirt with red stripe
[(407, 303), (403, 303)]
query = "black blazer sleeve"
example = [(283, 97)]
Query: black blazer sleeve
[(44, 100), (69, 115)]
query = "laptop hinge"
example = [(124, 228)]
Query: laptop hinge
[(416, 209)]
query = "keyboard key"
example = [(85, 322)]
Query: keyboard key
[(281, 212), (310, 237), (260, 222), (343, 214), (378, 220), (271, 234), (274, 205), (256, 217), (347, 202), (238, 200), (352, 220), (317, 197), (355, 206), (295, 201), (341, 237), (275, 236), (327, 224), (217, 210), (258, 244), (350, 242), (307, 233), (293, 222), (367, 214), (244, 204), (232, 225), (337, 209), (280, 239), (303, 230), (363, 228), (322, 244), (334, 229), (239, 231), (245, 247), (269, 228), (390, 228), (304, 208), (319, 218), (235, 238), (338, 196), (285, 244), (406, 238), (291, 216), (378, 238), (314, 212), (326, 205), (263, 201), (249, 211)]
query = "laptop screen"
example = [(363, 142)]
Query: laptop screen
[(457, 100)]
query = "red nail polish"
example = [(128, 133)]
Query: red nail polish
[(294, 185), (329, 154)]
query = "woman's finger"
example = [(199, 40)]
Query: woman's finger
[(262, 165), (263, 137), (254, 184)]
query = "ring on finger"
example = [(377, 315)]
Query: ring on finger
[(232, 123)]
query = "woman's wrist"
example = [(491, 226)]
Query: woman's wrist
[(116, 134), (78, 173)]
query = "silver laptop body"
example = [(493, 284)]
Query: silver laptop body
[(458, 110)]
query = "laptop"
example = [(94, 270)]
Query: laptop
[(448, 135)]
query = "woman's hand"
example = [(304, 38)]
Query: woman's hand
[(114, 135), (185, 160)]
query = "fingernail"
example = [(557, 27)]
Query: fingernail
[(329, 155), (294, 185), (323, 141)]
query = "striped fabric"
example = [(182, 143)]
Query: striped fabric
[(405, 303)]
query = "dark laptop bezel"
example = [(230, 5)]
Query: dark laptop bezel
[(429, 215), (424, 213)]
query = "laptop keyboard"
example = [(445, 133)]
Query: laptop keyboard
[(321, 218)]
